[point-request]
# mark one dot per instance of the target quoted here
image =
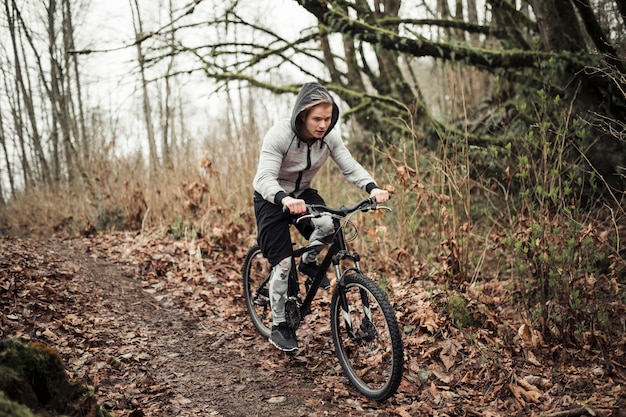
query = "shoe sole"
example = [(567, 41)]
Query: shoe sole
[(282, 348)]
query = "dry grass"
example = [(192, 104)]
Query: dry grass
[(200, 190), (445, 226)]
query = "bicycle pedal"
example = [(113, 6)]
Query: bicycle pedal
[(261, 303), (263, 297)]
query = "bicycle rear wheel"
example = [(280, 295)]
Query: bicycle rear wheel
[(255, 273), (367, 339)]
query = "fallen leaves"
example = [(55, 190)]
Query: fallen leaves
[(160, 329), (449, 351), (525, 393), (529, 337)]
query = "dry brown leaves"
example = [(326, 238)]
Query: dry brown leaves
[(160, 328)]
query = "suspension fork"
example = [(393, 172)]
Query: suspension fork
[(365, 331), (366, 324)]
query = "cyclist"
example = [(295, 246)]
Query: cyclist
[(293, 151)]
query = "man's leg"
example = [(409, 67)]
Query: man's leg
[(279, 283), (275, 242), (282, 336), (323, 227), (314, 229)]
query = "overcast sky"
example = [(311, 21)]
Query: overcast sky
[(109, 27)]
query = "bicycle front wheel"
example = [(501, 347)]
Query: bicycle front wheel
[(367, 339), (255, 273)]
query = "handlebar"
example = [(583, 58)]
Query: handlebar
[(315, 210)]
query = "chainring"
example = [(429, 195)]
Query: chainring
[(292, 312)]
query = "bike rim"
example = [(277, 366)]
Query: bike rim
[(365, 347), (257, 269)]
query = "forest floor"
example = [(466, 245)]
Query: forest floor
[(159, 328)]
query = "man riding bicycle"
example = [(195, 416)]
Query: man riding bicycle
[(293, 151)]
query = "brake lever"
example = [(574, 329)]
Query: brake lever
[(370, 204), (306, 216)]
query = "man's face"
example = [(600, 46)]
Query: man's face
[(317, 121)]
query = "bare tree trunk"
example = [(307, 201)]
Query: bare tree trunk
[(600, 40), (18, 123), (166, 118), (166, 114), (506, 18), (478, 83), (329, 61), (147, 108), (7, 161), (54, 92), (443, 10), (458, 14), (76, 112), (66, 122), (14, 17), (472, 17), (388, 80), (558, 25), (559, 30)]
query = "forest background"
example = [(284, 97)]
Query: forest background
[(498, 125)]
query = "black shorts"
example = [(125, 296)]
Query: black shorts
[(273, 225)]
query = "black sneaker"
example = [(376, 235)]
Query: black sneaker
[(284, 338), (311, 270)]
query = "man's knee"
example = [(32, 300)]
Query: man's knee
[(283, 267), (278, 280), (325, 225)]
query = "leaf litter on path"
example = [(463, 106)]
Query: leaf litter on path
[(160, 330)]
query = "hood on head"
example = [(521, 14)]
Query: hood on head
[(304, 99)]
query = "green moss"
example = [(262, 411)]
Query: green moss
[(32, 375), (14, 409), (38, 377), (459, 313)]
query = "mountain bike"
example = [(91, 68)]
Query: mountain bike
[(363, 323)]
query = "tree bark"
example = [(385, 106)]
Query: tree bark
[(147, 107), (558, 25), (21, 87), (76, 110), (472, 17), (598, 37), (7, 161)]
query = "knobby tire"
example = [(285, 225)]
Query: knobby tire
[(255, 269), (373, 357)]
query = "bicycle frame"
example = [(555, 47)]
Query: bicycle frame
[(337, 251), (363, 324)]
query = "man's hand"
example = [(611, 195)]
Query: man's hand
[(380, 195), (295, 205)]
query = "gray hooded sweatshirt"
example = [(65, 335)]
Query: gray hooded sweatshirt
[(287, 164)]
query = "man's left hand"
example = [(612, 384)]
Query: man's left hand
[(380, 195)]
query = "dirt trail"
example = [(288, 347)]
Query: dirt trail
[(147, 354), (160, 329), (195, 364)]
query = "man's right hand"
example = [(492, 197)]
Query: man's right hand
[(295, 205)]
